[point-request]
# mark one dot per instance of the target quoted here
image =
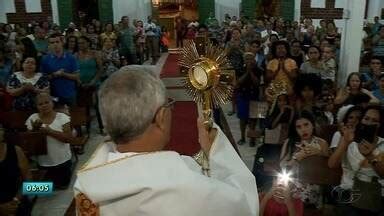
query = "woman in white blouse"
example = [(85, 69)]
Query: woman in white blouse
[(364, 159), (56, 125)]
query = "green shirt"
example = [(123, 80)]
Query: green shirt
[(211, 22), (41, 45), (127, 40)]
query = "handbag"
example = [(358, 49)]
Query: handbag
[(369, 193)]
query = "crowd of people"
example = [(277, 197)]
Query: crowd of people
[(43, 71), (286, 91)]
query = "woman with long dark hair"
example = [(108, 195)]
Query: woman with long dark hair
[(24, 49), (348, 118), (71, 44), (301, 144), (364, 159), (90, 63), (353, 91)]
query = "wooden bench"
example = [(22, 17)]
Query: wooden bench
[(15, 120), (80, 117), (315, 170), (326, 132), (32, 143)]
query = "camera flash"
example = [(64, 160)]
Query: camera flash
[(284, 177)]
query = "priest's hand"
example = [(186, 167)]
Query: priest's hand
[(206, 137)]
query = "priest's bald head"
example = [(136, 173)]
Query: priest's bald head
[(135, 109)]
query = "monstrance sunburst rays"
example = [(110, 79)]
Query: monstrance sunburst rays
[(219, 82)]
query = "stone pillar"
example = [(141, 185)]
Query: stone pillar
[(351, 40), (55, 12), (297, 12), (231, 7)]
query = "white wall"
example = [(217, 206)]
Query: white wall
[(338, 22), (297, 10), (33, 6), (374, 9), (6, 6), (317, 3), (134, 9), (222, 7), (55, 12), (351, 30), (351, 40)]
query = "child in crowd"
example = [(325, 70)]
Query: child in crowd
[(110, 56), (281, 200), (329, 61)]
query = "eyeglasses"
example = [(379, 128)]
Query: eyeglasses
[(168, 104)]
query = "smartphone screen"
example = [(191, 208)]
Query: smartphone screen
[(365, 132)]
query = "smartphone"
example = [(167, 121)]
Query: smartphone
[(365, 132)]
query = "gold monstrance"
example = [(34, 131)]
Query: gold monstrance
[(209, 80)]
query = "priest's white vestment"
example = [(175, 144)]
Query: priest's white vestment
[(166, 184)]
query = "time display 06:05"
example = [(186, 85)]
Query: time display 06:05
[(37, 188)]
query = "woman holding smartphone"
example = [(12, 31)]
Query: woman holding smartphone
[(348, 118), (300, 145), (280, 200), (365, 158)]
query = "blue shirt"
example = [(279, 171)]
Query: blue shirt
[(375, 28), (5, 72), (260, 60), (379, 95), (60, 87), (369, 77)]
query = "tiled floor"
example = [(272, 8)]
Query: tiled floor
[(57, 204)]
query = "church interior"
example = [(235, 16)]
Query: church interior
[(191, 107)]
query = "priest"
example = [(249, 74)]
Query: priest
[(133, 175)]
